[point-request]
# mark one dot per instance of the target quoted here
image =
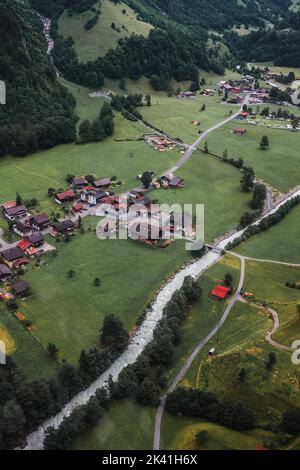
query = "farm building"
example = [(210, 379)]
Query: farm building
[(220, 292), (239, 131)]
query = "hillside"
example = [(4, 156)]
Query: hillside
[(96, 41), (32, 87)]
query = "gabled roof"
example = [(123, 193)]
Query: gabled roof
[(79, 181), (41, 219), (20, 286), (4, 270), (24, 245), (36, 237), (220, 292), (102, 183), (64, 225), (12, 254), (66, 195), (15, 210)]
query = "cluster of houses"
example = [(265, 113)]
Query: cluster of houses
[(162, 144), (85, 191)]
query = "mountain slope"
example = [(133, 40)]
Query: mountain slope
[(39, 111)]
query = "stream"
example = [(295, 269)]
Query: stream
[(144, 334)]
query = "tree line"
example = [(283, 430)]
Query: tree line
[(25, 404)]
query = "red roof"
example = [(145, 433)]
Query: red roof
[(220, 291), (24, 245), (244, 113), (78, 207), (240, 130), (32, 251), (66, 195), (9, 205)]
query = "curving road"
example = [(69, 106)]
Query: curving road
[(199, 347), (192, 148)]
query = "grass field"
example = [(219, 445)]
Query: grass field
[(179, 433), (175, 115), (281, 243), (127, 426), (112, 431), (69, 312), (277, 69), (267, 282), (26, 351), (275, 166), (95, 42), (215, 184), (33, 175)]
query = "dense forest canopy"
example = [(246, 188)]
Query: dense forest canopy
[(32, 87), (279, 44)]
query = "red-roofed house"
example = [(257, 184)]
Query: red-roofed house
[(77, 207), (239, 131), (66, 196), (24, 245), (220, 292)]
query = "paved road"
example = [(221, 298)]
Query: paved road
[(200, 346), (191, 149)]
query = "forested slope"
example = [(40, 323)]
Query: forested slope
[(39, 112)]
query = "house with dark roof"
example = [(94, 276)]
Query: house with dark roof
[(176, 183), (60, 228), (36, 239), (16, 212), (40, 222), (5, 272), (101, 184), (22, 228), (12, 256), (20, 287), (79, 182)]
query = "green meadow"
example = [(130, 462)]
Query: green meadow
[(95, 42)]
